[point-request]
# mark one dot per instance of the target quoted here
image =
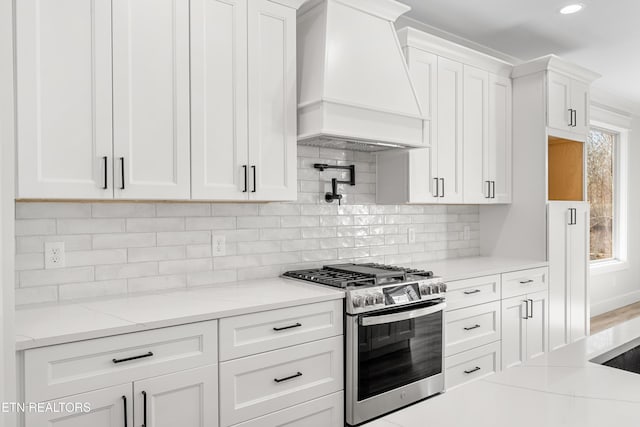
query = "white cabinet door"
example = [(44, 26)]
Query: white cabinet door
[(500, 138), (580, 103), (272, 101), (63, 61), (559, 101), (477, 175), (107, 409), (578, 257), (185, 399), (537, 326), (450, 133), (423, 68), (558, 238), (151, 99), (219, 144), (514, 331)]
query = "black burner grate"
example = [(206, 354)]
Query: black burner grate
[(342, 276)]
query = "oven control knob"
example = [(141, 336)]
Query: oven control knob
[(434, 288), (442, 286), (370, 299), (379, 298), (358, 301), (425, 290)]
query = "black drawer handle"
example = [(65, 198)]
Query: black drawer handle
[(290, 377), (475, 291), (297, 325), (142, 356), (469, 328), (524, 282), (471, 371)]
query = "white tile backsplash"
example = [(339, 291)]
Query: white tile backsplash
[(118, 248)]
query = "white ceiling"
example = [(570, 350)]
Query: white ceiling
[(604, 37)]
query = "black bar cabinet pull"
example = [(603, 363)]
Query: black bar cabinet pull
[(493, 185), (575, 118), (253, 167), (122, 172), (488, 196), (144, 409), (142, 356), (437, 187), (104, 162), (297, 325), (524, 282), (471, 371), (290, 377), (244, 169), (570, 117), (442, 179), (531, 313), (475, 291), (470, 328), (124, 402), (526, 307)]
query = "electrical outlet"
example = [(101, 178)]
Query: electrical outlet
[(218, 245), (466, 233), (411, 235), (54, 255)]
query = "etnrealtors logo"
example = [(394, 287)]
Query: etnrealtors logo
[(46, 407)]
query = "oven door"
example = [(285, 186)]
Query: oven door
[(394, 358)]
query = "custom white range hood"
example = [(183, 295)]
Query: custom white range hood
[(354, 88)]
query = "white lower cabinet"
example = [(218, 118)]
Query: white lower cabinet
[(524, 328), (472, 327), (472, 365), (267, 382), (185, 399), (109, 407), (323, 412)]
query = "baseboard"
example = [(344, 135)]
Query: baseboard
[(615, 302)]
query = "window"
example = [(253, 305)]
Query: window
[(601, 157), (607, 195)]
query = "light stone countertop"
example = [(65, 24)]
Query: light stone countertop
[(56, 324), (558, 389)]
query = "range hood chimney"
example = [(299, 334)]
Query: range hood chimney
[(354, 87)]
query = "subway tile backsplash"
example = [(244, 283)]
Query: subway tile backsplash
[(119, 248)]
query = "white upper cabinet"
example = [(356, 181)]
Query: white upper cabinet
[(63, 60), (466, 99), (448, 150), (243, 106), (157, 99), (477, 173), (219, 135), (568, 103), (272, 101), (151, 99), (500, 138)]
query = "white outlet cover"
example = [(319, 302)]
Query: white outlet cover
[(466, 233), (54, 255), (218, 245), (411, 235)]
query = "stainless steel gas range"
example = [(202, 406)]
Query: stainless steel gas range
[(394, 335)]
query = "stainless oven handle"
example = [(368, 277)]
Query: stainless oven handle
[(404, 315)]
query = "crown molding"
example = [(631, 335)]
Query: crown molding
[(557, 64)]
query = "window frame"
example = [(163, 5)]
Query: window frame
[(620, 200)]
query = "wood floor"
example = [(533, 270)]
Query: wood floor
[(612, 318)]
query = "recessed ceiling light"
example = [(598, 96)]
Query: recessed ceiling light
[(572, 8)]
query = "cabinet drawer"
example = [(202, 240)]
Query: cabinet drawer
[(62, 370), (472, 365), (270, 330), (258, 385), (465, 293), (525, 282), (327, 411), (472, 327)]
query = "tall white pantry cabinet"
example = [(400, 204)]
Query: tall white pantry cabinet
[(156, 100), (549, 215)]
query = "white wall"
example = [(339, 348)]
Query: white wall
[(7, 352), (611, 290)]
